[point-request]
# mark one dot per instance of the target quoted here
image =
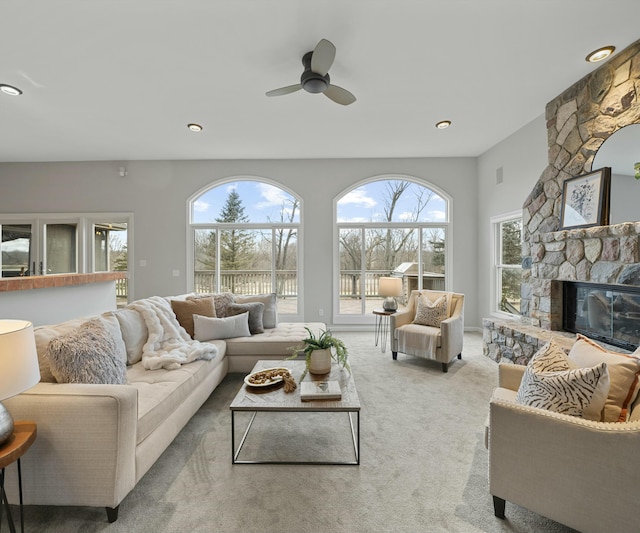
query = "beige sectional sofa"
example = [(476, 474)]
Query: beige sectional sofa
[(96, 441)]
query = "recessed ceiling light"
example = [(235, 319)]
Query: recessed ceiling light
[(194, 127), (600, 54), (10, 90), (443, 124)]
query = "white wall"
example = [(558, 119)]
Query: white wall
[(156, 193), (57, 304), (522, 157), (624, 199)]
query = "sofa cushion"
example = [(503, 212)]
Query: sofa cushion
[(208, 328), (185, 309), (134, 333), (282, 340), (87, 355), (430, 313), (110, 321), (552, 358), (564, 391), (220, 301), (624, 374), (44, 334), (270, 316), (255, 310), (162, 391)]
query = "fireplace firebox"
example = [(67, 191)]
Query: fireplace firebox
[(604, 312)]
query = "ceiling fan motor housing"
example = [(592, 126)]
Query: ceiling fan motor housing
[(312, 82)]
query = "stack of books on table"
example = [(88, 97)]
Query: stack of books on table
[(320, 390)]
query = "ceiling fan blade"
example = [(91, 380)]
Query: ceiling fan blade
[(322, 57), (285, 90), (339, 95)]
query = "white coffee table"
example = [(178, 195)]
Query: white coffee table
[(276, 400)]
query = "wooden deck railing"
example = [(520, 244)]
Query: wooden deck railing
[(259, 282)]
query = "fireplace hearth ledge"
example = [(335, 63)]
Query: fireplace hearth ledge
[(515, 341)]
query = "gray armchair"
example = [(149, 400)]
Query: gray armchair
[(441, 344)]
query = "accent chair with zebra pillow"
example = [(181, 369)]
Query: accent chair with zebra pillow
[(553, 382)]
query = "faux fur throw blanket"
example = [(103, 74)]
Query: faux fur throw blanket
[(169, 346)]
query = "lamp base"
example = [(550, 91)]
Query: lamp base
[(6, 424), (390, 304)]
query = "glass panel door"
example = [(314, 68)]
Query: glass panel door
[(61, 248), (15, 249)]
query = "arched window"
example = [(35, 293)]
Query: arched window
[(245, 240), (388, 226)]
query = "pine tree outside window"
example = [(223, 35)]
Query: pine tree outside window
[(245, 241)]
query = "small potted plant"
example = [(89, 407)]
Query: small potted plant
[(320, 351)]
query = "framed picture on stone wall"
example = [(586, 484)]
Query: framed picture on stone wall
[(585, 200)]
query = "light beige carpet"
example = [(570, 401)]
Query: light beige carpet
[(423, 463)]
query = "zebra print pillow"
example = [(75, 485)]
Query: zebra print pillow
[(430, 313), (564, 391), (550, 358), (551, 382)]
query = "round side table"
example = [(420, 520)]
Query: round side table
[(24, 433), (382, 327)]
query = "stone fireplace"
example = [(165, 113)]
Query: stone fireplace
[(578, 122)]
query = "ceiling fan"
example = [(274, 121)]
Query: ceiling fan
[(315, 78)]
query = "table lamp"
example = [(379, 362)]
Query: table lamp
[(390, 288), (19, 369)]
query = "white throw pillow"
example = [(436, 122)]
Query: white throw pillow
[(134, 333), (210, 329), (624, 373), (113, 326), (549, 380), (430, 313)]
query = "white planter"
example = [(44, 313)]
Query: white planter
[(320, 362)]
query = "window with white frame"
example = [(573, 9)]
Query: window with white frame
[(245, 239), (389, 226), (507, 245)]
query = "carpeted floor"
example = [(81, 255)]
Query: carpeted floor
[(423, 463)]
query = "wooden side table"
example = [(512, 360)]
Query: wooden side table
[(24, 433), (382, 327)]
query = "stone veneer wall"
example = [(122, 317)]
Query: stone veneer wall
[(578, 122), (516, 341), (601, 254)]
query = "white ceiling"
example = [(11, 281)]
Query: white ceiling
[(120, 79)]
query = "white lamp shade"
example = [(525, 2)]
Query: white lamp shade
[(19, 369), (390, 286)]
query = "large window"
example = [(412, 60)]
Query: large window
[(65, 243), (391, 226), (245, 240), (507, 238)]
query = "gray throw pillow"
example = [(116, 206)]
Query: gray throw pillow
[(255, 310), (87, 355), (270, 317)]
